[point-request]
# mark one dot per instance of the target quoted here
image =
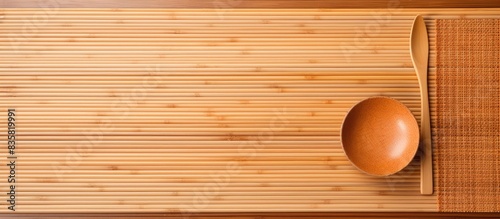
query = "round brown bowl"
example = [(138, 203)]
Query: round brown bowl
[(380, 136)]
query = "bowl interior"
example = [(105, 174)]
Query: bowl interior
[(380, 136)]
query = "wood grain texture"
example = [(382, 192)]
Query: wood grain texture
[(250, 4)]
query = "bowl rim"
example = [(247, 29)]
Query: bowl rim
[(396, 101)]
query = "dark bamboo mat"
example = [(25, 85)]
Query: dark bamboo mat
[(468, 115)]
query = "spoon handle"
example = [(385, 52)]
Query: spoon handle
[(426, 186), (419, 49)]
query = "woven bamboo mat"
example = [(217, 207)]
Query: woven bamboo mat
[(468, 111)]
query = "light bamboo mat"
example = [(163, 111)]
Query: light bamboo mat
[(202, 110)]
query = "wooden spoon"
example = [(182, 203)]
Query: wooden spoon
[(419, 49)]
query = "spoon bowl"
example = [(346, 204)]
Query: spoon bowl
[(380, 136)]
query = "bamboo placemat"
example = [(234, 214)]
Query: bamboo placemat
[(468, 114), (203, 110)]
